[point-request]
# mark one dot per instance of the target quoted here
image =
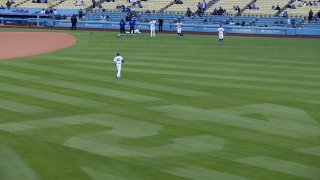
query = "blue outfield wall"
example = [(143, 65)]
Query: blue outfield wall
[(196, 28)]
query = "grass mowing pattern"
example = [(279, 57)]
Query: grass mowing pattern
[(184, 108)]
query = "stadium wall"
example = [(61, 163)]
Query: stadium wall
[(199, 28), (171, 27)]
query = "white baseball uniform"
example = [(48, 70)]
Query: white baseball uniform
[(118, 60), (179, 27), (152, 28), (220, 32)]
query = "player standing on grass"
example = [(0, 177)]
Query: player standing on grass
[(220, 34), (179, 28), (118, 61), (152, 25)]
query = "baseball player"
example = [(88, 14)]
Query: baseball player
[(220, 33), (179, 27), (118, 61), (152, 25)]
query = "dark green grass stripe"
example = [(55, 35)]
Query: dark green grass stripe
[(215, 76), (198, 61), (78, 86), (196, 66), (96, 77)]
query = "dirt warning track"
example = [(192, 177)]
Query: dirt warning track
[(20, 44)]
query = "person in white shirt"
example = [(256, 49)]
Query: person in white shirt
[(179, 28), (152, 25), (220, 34), (118, 61)]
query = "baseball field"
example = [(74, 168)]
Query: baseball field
[(185, 108)]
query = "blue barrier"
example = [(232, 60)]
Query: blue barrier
[(198, 28)]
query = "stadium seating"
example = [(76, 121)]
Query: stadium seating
[(111, 6), (70, 4), (16, 2), (182, 8), (29, 4), (264, 7), (314, 24), (228, 5), (301, 10), (154, 5)]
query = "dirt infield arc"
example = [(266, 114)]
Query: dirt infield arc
[(20, 44)]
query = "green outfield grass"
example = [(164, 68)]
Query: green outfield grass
[(185, 108)]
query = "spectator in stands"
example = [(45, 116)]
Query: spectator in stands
[(285, 14), (93, 4), (204, 5), (82, 4), (178, 1), (220, 11), (74, 22), (199, 12), (310, 15), (8, 4), (43, 11), (188, 13), (47, 11), (289, 22), (278, 8), (103, 18), (1, 7), (140, 4), (319, 14), (80, 14), (148, 12), (76, 3), (254, 7), (237, 8), (214, 12), (55, 12), (99, 7)]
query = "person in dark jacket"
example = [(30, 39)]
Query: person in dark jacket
[(310, 15), (132, 23), (160, 24), (80, 14), (8, 4), (122, 27), (74, 22)]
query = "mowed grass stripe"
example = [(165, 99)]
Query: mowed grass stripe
[(98, 77), (237, 85), (184, 60), (79, 87), (193, 66), (21, 107), (229, 117), (13, 166), (61, 98), (283, 166), (199, 173), (213, 76)]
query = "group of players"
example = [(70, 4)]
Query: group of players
[(152, 25), (118, 60)]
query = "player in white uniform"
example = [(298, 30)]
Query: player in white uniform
[(220, 33), (179, 28), (152, 24), (118, 61)]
